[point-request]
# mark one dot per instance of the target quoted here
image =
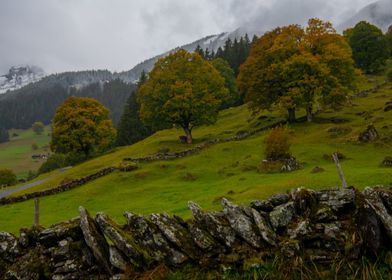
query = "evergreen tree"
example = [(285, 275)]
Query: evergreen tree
[(4, 136), (369, 46), (130, 128), (200, 51)]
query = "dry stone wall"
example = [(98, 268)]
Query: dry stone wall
[(318, 226)]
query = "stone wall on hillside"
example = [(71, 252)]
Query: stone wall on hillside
[(320, 226)]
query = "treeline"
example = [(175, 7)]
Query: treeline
[(38, 101), (234, 52)]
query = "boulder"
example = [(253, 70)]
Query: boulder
[(369, 135), (241, 223), (95, 240), (282, 215), (387, 161)]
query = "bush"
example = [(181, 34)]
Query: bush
[(34, 146), (38, 128), (277, 144), (7, 177), (57, 161), (389, 75)]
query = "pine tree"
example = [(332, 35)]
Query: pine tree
[(130, 128), (4, 136)]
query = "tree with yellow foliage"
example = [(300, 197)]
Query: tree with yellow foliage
[(184, 90), (81, 125), (291, 67)]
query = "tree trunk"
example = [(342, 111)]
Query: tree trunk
[(309, 113), (188, 133), (291, 115)]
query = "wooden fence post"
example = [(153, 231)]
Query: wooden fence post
[(339, 168), (36, 212)]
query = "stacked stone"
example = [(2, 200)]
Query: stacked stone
[(318, 226)]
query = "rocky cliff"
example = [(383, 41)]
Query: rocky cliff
[(321, 227)]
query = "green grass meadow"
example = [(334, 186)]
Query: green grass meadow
[(222, 170), (16, 154)]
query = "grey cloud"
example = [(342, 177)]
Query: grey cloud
[(64, 35)]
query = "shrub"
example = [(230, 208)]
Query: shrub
[(34, 146), (389, 75), (277, 144), (55, 161), (38, 128), (7, 177)]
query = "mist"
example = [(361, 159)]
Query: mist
[(115, 35)]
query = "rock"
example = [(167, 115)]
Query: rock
[(50, 236), (24, 237), (325, 214), (9, 248), (34, 265), (387, 161), (290, 164), (215, 224), (265, 231), (336, 199), (317, 169), (95, 240), (282, 215), (175, 233), (304, 200), (370, 230), (373, 198), (303, 229), (202, 238), (290, 248), (68, 267), (370, 134), (332, 230), (126, 245), (241, 223), (278, 199), (116, 259), (149, 236), (262, 205)]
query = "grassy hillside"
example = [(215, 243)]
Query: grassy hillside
[(228, 169), (16, 154)]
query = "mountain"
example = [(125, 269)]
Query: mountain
[(212, 43), (19, 76), (38, 101), (378, 13)]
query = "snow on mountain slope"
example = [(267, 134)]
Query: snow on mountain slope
[(19, 76), (378, 13)]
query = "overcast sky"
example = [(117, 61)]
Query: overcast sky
[(66, 35)]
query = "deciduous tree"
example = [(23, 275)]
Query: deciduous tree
[(291, 67), (38, 128), (184, 90), (82, 125)]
